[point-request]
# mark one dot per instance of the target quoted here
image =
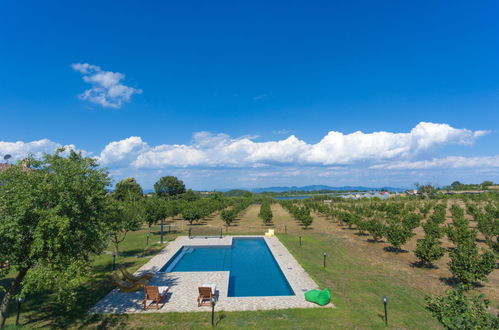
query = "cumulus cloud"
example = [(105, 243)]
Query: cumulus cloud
[(19, 150), (336, 148), (445, 162), (107, 89), (123, 152)]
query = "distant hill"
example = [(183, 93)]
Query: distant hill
[(321, 187)]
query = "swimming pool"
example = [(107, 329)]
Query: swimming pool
[(253, 269)]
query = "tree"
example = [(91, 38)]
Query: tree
[(52, 221), (468, 266), (123, 217), (429, 249), (456, 311), (154, 209), (127, 188), (169, 186), (397, 235), (192, 212), (190, 196), (487, 184), (375, 228), (228, 216), (265, 212)]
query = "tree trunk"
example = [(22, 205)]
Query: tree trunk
[(11, 291)]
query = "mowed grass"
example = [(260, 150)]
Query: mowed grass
[(357, 288)]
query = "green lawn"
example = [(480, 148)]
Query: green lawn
[(357, 289)]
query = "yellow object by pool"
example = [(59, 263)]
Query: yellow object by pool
[(270, 232)]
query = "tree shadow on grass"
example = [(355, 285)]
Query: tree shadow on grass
[(394, 249), (453, 282), (371, 240), (423, 265)]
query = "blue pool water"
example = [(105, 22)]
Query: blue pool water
[(253, 269)]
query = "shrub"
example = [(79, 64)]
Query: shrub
[(429, 249), (265, 212), (468, 266), (397, 235), (456, 311), (376, 229)]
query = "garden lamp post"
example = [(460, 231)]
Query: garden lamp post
[(212, 311), (300, 240), (385, 302), (20, 300), (325, 255)]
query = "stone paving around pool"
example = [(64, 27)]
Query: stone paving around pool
[(183, 293)]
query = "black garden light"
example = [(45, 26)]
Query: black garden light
[(325, 255), (212, 311), (20, 300), (385, 302), (300, 240)]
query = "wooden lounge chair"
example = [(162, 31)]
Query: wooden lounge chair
[(128, 287), (155, 294), (205, 296), (132, 278)]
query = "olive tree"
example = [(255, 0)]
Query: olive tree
[(52, 221)]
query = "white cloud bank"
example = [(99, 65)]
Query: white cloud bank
[(445, 162), (19, 150), (218, 160), (107, 89), (336, 148)]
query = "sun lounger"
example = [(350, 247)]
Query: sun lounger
[(132, 278), (206, 294), (126, 286), (154, 294)]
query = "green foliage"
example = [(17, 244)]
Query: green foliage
[(300, 213), (155, 209), (123, 217), (265, 212), (431, 228), (229, 215), (456, 311), (239, 193), (201, 208), (429, 249), (376, 229), (189, 196), (411, 221), (52, 221), (488, 225), (468, 266), (169, 186), (127, 189), (397, 235)]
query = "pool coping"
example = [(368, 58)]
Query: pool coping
[(183, 285)]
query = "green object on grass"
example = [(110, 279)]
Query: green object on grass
[(320, 297)]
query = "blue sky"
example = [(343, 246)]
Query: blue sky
[(134, 83)]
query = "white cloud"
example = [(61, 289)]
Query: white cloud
[(107, 89), (445, 162), (19, 150), (220, 150), (123, 152)]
